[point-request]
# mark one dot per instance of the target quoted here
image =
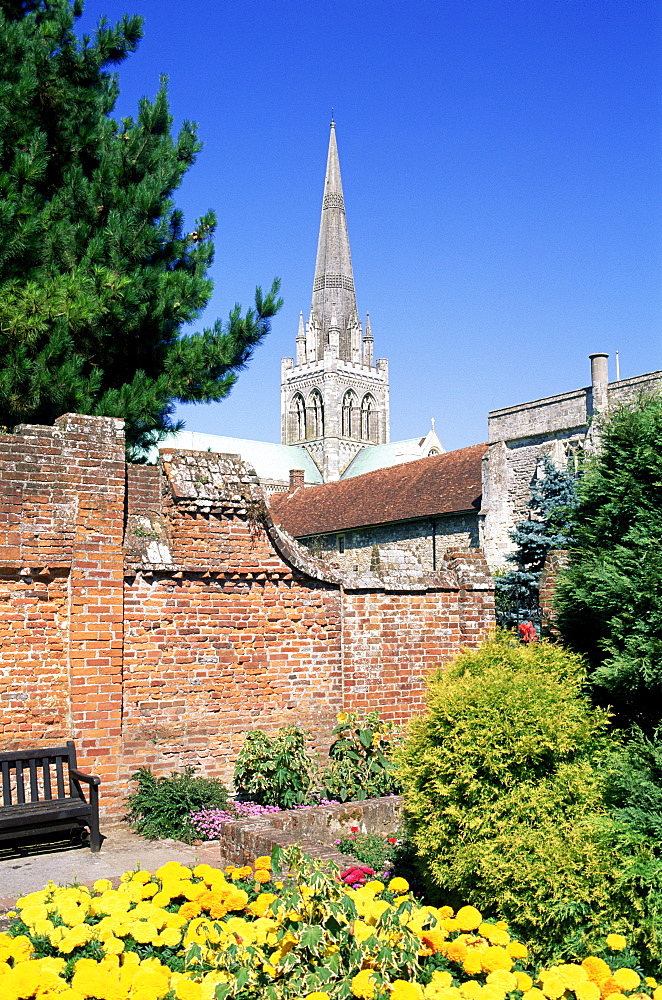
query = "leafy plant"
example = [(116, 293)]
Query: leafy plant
[(361, 765), (371, 849), (504, 802), (275, 770), (161, 807)]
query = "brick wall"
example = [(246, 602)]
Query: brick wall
[(154, 614)]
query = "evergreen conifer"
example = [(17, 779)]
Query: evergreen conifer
[(98, 274), (553, 497), (609, 601)]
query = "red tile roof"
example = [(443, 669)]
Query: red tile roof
[(427, 487)]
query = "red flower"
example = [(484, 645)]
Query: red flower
[(527, 632), (354, 829), (356, 875), (392, 840)]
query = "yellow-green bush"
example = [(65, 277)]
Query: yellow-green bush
[(504, 800), (204, 934)]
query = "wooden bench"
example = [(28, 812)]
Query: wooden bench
[(42, 793)]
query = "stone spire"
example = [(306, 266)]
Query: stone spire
[(334, 298)]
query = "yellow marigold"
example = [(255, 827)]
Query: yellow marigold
[(627, 979), (190, 909), (468, 918), (143, 932), (472, 963), (170, 937), (552, 987), (435, 992), (471, 990), (433, 940), (491, 992), (236, 899), (517, 950), (587, 991), (264, 861), (318, 995), (445, 912), (657, 993), (504, 980), (650, 982), (455, 951), (113, 946), (363, 984), (597, 969), (616, 942), (260, 905), (262, 875), (609, 987), (533, 994), (186, 989), (494, 934), (398, 884), (493, 958), (102, 885), (403, 990), (524, 981), (442, 979), (571, 975)]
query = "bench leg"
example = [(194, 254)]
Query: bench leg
[(95, 837)]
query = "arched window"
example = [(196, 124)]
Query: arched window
[(368, 418), (297, 418), (350, 414), (315, 415)]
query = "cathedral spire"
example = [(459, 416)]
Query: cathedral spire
[(333, 286)]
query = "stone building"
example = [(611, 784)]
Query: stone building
[(565, 427), (393, 523), (335, 420), (334, 395)]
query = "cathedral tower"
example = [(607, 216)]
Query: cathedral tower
[(334, 397)]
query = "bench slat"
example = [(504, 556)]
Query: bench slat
[(48, 795), (6, 784), (20, 790), (31, 812), (60, 778), (34, 784)]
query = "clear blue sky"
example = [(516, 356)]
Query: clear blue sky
[(501, 168)]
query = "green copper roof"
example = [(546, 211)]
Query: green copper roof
[(382, 456), (272, 462)]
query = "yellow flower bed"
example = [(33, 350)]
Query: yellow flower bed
[(207, 934)]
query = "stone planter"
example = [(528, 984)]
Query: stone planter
[(312, 829)]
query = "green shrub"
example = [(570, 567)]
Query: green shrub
[(161, 807), (634, 785), (275, 770), (361, 764), (372, 849), (504, 801)]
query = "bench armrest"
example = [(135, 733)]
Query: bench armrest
[(89, 779)]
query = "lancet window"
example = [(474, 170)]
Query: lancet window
[(350, 415), (315, 415), (368, 418), (297, 418)]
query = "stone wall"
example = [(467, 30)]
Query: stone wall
[(565, 427), (155, 613), (405, 546)]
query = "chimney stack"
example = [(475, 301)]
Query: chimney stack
[(599, 383), (296, 479)]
